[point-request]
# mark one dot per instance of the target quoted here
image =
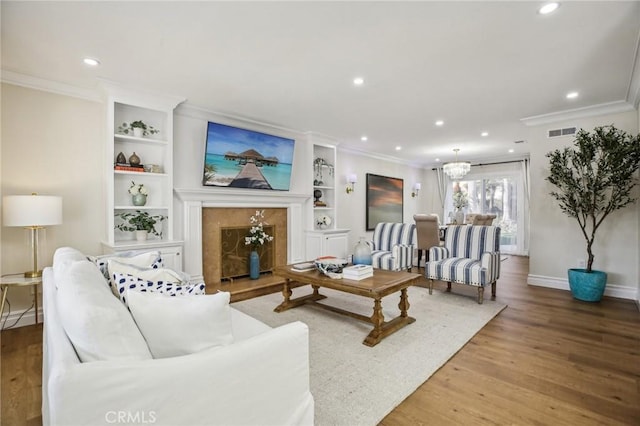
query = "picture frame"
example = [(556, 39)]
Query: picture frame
[(385, 200)]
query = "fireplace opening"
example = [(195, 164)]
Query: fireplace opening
[(235, 253)]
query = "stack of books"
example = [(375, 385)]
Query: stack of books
[(128, 167), (357, 272)]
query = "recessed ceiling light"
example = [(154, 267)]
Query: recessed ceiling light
[(484, 134), (548, 8), (91, 62), (439, 123), (438, 160), (572, 95), (398, 148), (364, 139), (358, 81), (511, 151)]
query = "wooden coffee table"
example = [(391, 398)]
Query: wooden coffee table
[(383, 283)]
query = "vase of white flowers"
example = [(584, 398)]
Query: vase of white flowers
[(138, 194), (460, 201), (257, 238)]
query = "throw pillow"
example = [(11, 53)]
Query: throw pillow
[(145, 259), (125, 283), (98, 325), (175, 326), (150, 274)]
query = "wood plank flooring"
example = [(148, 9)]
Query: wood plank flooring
[(545, 360)]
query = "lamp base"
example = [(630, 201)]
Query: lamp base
[(33, 274)]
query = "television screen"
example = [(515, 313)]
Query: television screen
[(241, 158)]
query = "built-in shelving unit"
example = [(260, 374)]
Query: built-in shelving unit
[(156, 153), (324, 238)]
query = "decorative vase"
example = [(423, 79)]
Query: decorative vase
[(142, 235), (459, 218), (587, 286), (139, 199), (362, 253), (138, 132), (254, 265), (134, 160), (121, 159)]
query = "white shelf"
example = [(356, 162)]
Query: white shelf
[(124, 172), (146, 140)]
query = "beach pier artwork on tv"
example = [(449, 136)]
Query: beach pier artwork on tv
[(241, 158)]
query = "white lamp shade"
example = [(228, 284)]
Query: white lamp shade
[(31, 210), (417, 186), (352, 178)]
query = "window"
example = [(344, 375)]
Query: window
[(495, 192)]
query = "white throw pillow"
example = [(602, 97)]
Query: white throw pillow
[(125, 284), (98, 325), (175, 326), (62, 258), (149, 274), (145, 259)]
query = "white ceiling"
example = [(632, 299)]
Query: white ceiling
[(479, 66)]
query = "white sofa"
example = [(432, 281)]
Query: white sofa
[(262, 378)]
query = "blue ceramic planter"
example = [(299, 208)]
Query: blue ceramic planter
[(588, 287)]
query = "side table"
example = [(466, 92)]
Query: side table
[(19, 280)]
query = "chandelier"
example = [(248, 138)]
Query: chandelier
[(457, 169)]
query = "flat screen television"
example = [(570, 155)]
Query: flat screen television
[(241, 158)]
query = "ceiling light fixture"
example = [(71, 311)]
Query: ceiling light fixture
[(457, 169), (548, 8), (91, 62), (364, 139), (398, 148), (511, 151), (358, 81), (484, 134), (572, 95), (439, 123)]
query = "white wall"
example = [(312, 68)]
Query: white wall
[(556, 240), (352, 207), (52, 145)]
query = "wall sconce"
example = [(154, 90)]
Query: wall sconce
[(351, 181), (416, 189)]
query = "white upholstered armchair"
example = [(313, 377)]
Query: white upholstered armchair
[(393, 245), (471, 255)]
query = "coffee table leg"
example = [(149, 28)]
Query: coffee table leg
[(377, 319), (289, 303), (404, 303), (286, 292)]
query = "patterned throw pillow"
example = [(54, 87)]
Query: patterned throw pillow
[(149, 274), (125, 283), (145, 259)]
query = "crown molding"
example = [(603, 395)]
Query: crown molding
[(382, 157), (51, 86), (572, 114)]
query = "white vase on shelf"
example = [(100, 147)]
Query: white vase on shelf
[(142, 235), (138, 132)]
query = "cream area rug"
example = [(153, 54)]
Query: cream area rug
[(354, 384)]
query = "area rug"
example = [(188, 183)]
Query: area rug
[(357, 385)]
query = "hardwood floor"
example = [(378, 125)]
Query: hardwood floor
[(547, 360)]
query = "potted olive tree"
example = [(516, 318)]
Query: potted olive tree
[(594, 178)]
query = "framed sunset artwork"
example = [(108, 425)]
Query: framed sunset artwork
[(384, 200)]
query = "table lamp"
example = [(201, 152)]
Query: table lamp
[(33, 212)]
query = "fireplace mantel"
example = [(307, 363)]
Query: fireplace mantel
[(194, 200)]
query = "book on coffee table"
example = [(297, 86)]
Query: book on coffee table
[(357, 272), (303, 267)]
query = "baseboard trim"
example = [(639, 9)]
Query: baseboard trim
[(612, 290), (27, 319)]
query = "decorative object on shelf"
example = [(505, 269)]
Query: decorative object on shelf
[(317, 182), (362, 253), (416, 188), (323, 222), (33, 212), (594, 178), (318, 164), (257, 238), (456, 169), (121, 159), (317, 194), (140, 221), (134, 160), (138, 194), (138, 129), (142, 235), (351, 181)]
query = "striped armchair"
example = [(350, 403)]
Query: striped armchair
[(393, 245), (471, 255)]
